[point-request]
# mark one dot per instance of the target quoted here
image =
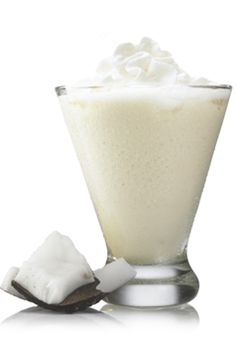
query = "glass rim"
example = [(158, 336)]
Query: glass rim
[(62, 90)]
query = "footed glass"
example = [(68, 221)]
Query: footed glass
[(145, 152)]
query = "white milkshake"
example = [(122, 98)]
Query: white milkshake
[(145, 132), (145, 154)]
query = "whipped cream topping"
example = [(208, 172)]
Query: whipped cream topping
[(143, 63)]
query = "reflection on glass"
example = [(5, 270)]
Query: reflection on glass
[(110, 316), (185, 315)]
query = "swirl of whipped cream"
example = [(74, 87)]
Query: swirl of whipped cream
[(142, 63)]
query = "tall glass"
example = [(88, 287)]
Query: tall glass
[(145, 152)]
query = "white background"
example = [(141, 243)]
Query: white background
[(48, 43)]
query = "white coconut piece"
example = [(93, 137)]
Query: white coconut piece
[(6, 283), (54, 270), (114, 275)]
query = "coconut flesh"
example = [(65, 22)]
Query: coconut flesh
[(6, 284), (57, 268), (114, 275)]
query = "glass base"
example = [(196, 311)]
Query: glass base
[(157, 286)]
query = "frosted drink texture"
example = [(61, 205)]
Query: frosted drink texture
[(145, 154)]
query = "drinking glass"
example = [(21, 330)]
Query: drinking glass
[(145, 153)]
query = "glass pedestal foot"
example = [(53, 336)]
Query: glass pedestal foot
[(157, 286)]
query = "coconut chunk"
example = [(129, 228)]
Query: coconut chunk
[(54, 270), (57, 277), (6, 283), (114, 275)]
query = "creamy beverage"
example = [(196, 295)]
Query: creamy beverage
[(145, 132), (145, 153)]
